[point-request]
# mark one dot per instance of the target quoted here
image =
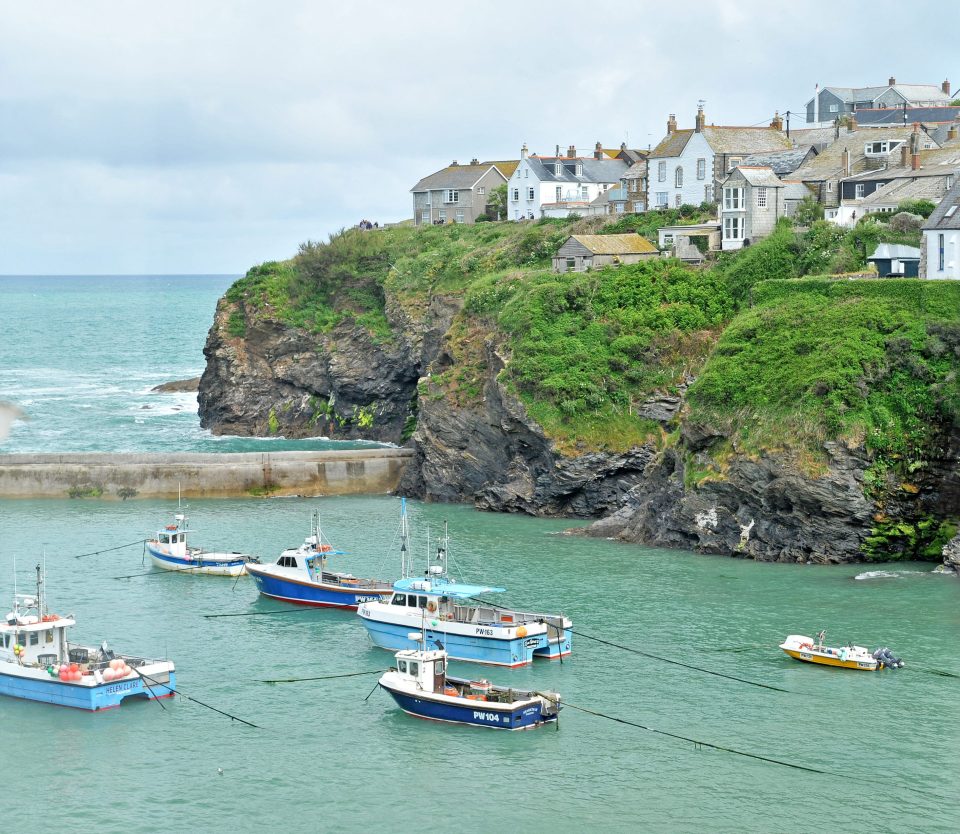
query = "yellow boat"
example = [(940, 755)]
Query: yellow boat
[(811, 650)]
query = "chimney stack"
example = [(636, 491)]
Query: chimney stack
[(474, 161), (571, 152), (904, 155), (777, 123), (701, 119), (671, 125), (523, 151), (891, 81), (952, 131), (915, 147), (845, 161), (453, 164), (945, 87), (598, 151), (851, 123)]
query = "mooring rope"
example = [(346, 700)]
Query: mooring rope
[(195, 700), (109, 549), (324, 677)]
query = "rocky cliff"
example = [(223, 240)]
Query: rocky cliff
[(459, 372)]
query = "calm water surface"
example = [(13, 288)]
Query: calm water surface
[(327, 760)]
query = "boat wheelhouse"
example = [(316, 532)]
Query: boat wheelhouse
[(300, 575), (39, 663), (468, 628), (169, 550), (420, 685)]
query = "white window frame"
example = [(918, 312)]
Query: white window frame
[(733, 228), (452, 196), (678, 177), (733, 162), (460, 216), (761, 196), (480, 190), (531, 193), (661, 172), (516, 195), (442, 215), (834, 108), (733, 199), (663, 199), (701, 169), (858, 190)]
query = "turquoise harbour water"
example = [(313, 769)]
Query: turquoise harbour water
[(80, 355), (326, 760)]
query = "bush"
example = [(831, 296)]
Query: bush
[(905, 221), (922, 207), (808, 212), (482, 218)]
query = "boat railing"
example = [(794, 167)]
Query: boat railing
[(487, 615)]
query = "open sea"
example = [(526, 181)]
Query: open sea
[(882, 750)]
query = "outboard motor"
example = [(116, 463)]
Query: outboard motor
[(886, 657)]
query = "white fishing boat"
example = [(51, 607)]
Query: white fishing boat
[(38, 663), (169, 550)]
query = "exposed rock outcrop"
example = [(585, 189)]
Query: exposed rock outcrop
[(177, 386)]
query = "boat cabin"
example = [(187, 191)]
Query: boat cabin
[(40, 641), (172, 539), (426, 669)]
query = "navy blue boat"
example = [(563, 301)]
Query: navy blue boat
[(420, 685)]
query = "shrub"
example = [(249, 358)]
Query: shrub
[(922, 207)]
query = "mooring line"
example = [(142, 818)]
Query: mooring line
[(109, 549), (201, 703), (678, 663), (324, 677), (262, 613)]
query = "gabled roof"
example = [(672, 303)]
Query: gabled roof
[(745, 139), (900, 116), (829, 162), (672, 144), (896, 191), (636, 171), (782, 162), (909, 92), (505, 166), (795, 190), (758, 176), (895, 250), (947, 214), (594, 170), (629, 244), (454, 176)]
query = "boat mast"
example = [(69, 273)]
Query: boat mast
[(403, 538), (39, 592)]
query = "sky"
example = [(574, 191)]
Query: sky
[(208, 136)]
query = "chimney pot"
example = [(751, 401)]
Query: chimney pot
[(598, 151), (453, 163), (558, 152), (474, 161), (523, 151), (777, 123), (945, 86), (672, 124), (891, 81), (571, 151)]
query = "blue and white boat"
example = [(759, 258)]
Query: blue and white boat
[(169, 550), (38, 663), (301, 576), (469, 629), (420, 685)]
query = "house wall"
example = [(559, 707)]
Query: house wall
[(828, 100), (431, 206), (524, 178), (694, 189), (759, 221), (951, 254)]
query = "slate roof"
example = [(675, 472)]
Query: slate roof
[(895, 250), (829, 162), (939, 218), (632, 156), (745, 139), (594, 170), (782, 162), (819, 137), (760, 176), (636, 171), (895, 115), (911, 92), (630, 244), (905, 188), (673, 143), (795, 190), (453, 176)]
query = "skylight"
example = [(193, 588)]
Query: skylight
[(950, 211)]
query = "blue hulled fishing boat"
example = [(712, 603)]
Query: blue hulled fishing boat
[(38, 663), (470, 629), (300, 575), (420, 685)]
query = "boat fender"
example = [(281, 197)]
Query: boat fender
[(431, 606), (522, 631)]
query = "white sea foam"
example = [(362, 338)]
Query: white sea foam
[(887, 574)]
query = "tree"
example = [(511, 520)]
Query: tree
[(808, 212), (498, 201)]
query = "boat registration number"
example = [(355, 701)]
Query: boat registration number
[(487, 716), (361, 598), (485, 632)]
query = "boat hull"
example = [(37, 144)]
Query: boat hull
[(830, 660), (202, 565), (37, 685), (507, 650), (475, 713), (319, 594)]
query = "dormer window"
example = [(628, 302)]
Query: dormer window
[(880, 148), (579, 169), (558, 168)]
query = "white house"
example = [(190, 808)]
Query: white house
[(688, 165), (940, 250), (558, 186)]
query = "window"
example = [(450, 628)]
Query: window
[(733, 162), (480, 190), (442, 215), (584, 193), (732, 199), (761, 197), (530, 193), (34, 638), (678, 201), (579, 169), (834, 108), (678, 177), (949, 181), (940, 244), (525, 173), (708, 193), (559, 193), (402, 666), (399, 599), (662, 172), (662, 199), (453, 196), (422, 601), (880, 148), (733, 228), (858, 191), (411, 601), (425, 216), (516, 193), (829, 186), (571, 264), (701, 169), (413, 667), (438, 668), (460, 216), (558, 168), (668, 240)]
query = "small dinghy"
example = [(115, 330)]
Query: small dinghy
[(37, 662), (169, 550), (301, 575), (420, 685), (809, 650)]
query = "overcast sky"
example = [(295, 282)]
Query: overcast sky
[(207, 136)]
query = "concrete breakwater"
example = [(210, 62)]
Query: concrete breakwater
[(122, 476)]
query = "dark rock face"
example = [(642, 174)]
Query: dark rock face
[(177, 386)]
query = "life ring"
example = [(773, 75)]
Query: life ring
[(431, 606), (171, 526)]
